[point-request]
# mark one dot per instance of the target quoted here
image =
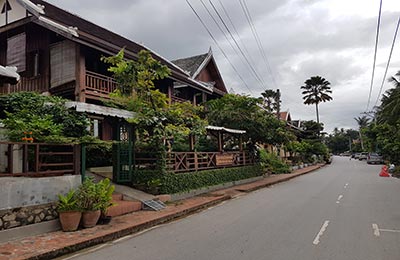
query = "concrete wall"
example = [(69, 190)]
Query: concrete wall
[(22, 191)]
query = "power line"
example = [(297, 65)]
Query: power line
[(234, 39), (388, 62), (216, 42), (234, 28), (376, 47), (257, 38), (226, 38)]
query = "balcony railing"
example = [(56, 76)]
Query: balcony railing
[(100, 84)]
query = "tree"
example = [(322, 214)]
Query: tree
[(316, 90), (42, 118), (362, 124), (389, 110), (155, 120), (243, 112), (271, 101)]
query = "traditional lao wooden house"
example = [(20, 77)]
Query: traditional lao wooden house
[(203, 69), (59, 53)]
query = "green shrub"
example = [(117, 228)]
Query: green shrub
[(272, 162), (175, 183), (99, 154)]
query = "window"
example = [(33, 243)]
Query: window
[(16, 52), (34, 63)]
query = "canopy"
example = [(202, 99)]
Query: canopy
[(9, 75)]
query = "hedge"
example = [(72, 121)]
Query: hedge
[(176, 183)]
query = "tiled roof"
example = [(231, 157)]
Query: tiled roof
[(190, 64)]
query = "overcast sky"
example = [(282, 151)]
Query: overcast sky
[(301, 38)]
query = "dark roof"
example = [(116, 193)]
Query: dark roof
[(99, 36), (191, 64)]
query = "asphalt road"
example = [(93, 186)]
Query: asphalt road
[(344, 211)]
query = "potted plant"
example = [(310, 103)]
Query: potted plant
[(90, 203), (68, 211), (105, 191)]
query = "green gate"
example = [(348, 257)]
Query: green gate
[(123, 155)]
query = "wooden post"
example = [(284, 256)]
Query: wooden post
[(24, 158), (10, 158), (37, 158), (220, 137), (191, 142), (80, 82), (170, 93)]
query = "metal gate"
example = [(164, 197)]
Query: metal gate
[(123, 161)]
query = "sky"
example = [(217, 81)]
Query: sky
[(334, 39)]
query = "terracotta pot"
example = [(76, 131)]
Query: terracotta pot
[(90, 218), (70, 220)]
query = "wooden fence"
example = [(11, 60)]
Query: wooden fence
[(38, 159), (194, 161)]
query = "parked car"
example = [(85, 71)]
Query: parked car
[(357, 155), (374, 158), (363, 156)]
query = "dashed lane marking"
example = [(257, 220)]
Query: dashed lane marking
[(339, 198), (376, 230), (321, 232)]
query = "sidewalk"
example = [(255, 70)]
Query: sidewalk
[(51, 245)]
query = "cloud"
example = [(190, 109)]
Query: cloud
[(302, 38)]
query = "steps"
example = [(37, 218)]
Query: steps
[(122, 207)]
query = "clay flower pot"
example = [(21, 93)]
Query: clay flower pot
[(70, 220), (90, 218)]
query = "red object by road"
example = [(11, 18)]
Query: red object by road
[(384, 172)]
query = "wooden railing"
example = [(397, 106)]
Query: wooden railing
[(194, 161), (176, 99), (38, 160), (99, 83)]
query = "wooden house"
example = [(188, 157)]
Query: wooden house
[(58, 53), (203, 69)]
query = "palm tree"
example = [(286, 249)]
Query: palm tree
[(362, 123), (316, 90), (389, 110), (271, 100)]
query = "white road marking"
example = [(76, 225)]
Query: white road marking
[(376, 230), (345, 186), (339, 198), (321, 231), (390, 230)]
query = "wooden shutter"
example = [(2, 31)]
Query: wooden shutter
[(16, 52), (62, 63)]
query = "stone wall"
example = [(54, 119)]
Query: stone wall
[(11, 218)]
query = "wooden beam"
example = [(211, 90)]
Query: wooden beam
[(80, 84)]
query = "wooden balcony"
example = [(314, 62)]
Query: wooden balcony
[(98, 85)]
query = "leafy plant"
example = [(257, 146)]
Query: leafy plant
[(67, 202), (45, 117), (105, 190), (272, 162), (88, 196)]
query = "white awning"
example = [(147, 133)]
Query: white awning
[(10, 73), (100, 110), (228, 130)]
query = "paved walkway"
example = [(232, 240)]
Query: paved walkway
[(50, 245)]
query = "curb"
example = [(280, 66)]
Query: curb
[(278, 181), (127, 231)]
